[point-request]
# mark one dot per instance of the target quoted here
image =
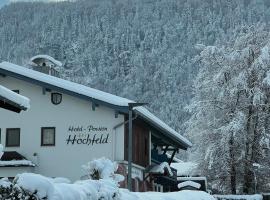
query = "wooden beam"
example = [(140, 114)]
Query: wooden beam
[(116, 113), (10, 107), (93, 106), (173, 154), (44, 90)]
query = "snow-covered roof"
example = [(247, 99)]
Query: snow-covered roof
[(185, 168), (16, 163), (57, 62), (79, 90), (14, 159), (19, 100), (189, 183), (193, 178)]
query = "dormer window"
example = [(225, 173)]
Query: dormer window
[(56, 98)]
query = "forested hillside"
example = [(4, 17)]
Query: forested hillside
[(140, 49)]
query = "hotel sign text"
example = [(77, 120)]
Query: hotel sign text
[(87, 135)]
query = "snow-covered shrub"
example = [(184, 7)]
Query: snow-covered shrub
[(36, 184), (102, 168), (102, 173), (11, 191)]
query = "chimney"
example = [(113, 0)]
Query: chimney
[(46, 64)]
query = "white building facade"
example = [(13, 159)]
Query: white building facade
[(67, 125)]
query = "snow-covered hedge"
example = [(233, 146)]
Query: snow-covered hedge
[(101, 185), (11, 191), (28, 186)]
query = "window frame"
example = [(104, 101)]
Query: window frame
[(42, 133), (7, 132)]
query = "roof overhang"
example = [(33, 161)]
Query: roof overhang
[(9, 105), (12, 101), (44, 85)]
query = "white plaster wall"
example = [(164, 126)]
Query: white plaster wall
[(13, 171), (119, 145), (61, 159)]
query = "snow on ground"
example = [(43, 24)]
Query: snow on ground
[(239, 197), (14, 97), (181, 195)]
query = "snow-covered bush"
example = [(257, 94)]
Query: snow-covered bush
[(102, 168), (28, 186), (11, 191), (101, 185), (36, 184)]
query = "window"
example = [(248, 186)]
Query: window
[(48, 136), (56, 98), (13, 137)]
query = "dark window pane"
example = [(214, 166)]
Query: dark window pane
[(48, 136), (13, 137)]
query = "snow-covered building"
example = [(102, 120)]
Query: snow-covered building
[(70, 124)]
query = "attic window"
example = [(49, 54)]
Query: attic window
[(56, 98)]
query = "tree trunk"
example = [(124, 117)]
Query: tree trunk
[(252, 141), (232, 164), (248, 174)]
